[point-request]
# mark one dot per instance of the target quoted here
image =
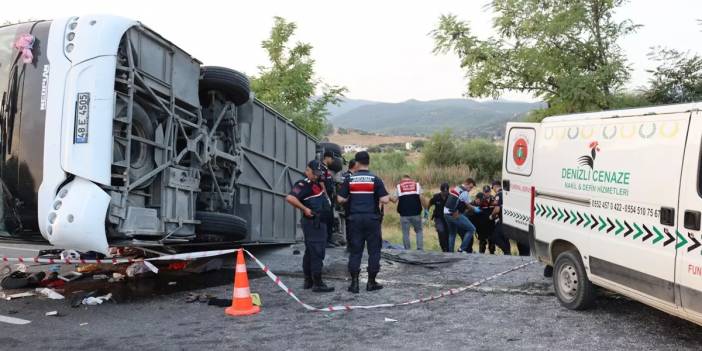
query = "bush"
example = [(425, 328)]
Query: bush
[(482, 157), (441, 150)]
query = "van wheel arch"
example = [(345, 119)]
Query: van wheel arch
[(558, 247)]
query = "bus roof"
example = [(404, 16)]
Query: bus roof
[(651, 110)]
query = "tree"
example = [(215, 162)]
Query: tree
[(440, 150), (564, 52), (289, 83), (676, 79)]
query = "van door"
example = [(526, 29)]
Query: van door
[(517, 174), (688, 234)]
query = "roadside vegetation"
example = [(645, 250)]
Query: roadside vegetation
[(567, 54)]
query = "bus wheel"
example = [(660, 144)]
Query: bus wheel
[(573, 289)]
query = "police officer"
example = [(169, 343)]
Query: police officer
[(363, 191), (328, 180), (438, 201), (498, 235), (309, 196), (350, 171)]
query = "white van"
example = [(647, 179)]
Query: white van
[(612, 199)]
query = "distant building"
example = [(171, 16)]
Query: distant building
[(354, 148)]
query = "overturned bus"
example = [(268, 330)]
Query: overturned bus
[(113, 136)]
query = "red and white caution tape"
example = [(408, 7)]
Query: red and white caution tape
[(67, 260), (446, 293)]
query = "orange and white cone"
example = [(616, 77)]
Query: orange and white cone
[(242, 304)]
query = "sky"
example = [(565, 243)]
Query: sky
[(379, 50)]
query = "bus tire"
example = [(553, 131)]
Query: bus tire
[(234, 85), (334, 148), (231, 227), (573, 289)]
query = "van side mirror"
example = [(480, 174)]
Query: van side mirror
[(505, 184)]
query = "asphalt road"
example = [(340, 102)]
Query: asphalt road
[(517, 311)]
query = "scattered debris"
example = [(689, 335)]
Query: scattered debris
[(52, 314), (202, 266), (172, 283), (140, 268), (92, 301), (21, 267), (77, 299), (220, 302), (256, 299), (53, 281), (88, 268), (70, 276), (390, 320), (192, 297), (83, 324), (18, 295), (13, 320), (116, 277), (70, 255), (5, 270), (100, 277), (19, 280), (55, 268), (50, 293)]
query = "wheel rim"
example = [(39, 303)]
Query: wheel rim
[(568, 282)]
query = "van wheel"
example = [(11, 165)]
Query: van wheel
[(573, 289)]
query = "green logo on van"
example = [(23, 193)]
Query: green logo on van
[(589, 179)]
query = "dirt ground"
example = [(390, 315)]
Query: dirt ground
[(516, 311)]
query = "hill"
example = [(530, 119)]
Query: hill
[(463, 116)]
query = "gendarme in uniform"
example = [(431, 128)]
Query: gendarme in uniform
[(363, 192), (309, 195)]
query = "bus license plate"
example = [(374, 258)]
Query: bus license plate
[(82, 117)]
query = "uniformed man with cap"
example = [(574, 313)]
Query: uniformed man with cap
[(363, 192), (309, 196), (328, 180)]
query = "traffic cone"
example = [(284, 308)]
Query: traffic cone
[(242, 304)]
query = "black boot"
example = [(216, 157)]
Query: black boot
[(319, 286), (354, 283), (372, 284), (548, 271), (308, 282)]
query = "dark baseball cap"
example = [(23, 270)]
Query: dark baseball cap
[(362, 157), (444, 186), (316, 166), (496, 183), (487, 189)]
